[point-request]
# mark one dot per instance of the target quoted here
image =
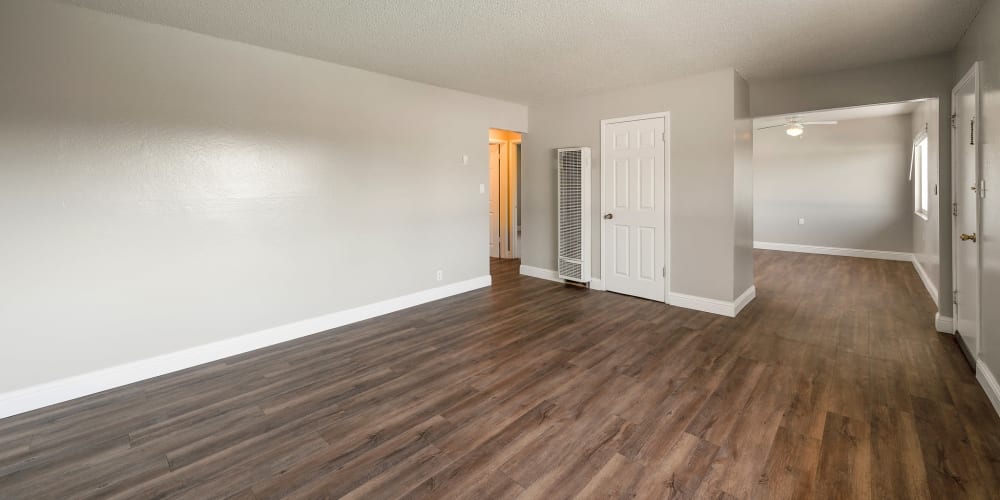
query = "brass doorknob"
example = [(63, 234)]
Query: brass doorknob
[(609, 216), (969, 237)]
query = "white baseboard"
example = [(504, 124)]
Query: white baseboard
[(744, 300), (944, 324), (843, 252), (714, 306), (548, 274), (49, 393), (931, 289), (538, 272), (989, 384)]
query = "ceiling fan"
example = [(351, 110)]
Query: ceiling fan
[(795, 128)]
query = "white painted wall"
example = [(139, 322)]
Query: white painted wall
[(702, 110), (743, 220), (161, 189), (981, 43), (848, 181), (926, 236), (893, 82)]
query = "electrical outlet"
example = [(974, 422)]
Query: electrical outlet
[(440, 275), (482, 189), (802, 221)]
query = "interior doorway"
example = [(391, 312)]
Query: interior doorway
[(505, 206)]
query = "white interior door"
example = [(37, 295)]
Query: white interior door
[(504, 183), (966, 221), (494, 200), (635, 204)]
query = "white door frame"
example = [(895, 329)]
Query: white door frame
[(515, 239), (665, 115), (973, 75), (499, 144)]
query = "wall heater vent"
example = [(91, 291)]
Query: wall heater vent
[(573, 165)]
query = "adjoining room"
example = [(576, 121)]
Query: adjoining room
[(472, 250), (505, 201)]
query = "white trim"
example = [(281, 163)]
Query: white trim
[(844, 252), (596, 284), (921, 185), (989, 384), (538, 272), (744, 300), (58, 391), (714, 306), (665, 115), (944, 324), (973, 74), (931, 289)]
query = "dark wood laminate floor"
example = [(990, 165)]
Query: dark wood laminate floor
[(832, 384)]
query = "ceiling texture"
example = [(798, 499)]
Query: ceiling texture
[(529, 51)]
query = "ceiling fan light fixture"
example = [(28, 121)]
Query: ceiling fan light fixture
[(795, 130)]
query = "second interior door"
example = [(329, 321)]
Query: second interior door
[(494, 200), (966, 213), (635, 207)]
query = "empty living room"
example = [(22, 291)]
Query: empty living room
[(462, 249)]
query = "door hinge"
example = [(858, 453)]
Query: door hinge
[(954, 297), (663, 271), (663, 136), (953, 117), (972, 132), (954, 209)]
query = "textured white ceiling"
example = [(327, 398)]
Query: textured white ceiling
[(531, 50)]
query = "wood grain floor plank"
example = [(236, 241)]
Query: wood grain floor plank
[(831, 384)]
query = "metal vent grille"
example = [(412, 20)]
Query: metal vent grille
[(573, 165), (570, 205), (570, 269)]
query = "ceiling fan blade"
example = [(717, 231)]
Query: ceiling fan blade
[(820, 123), (772, 126)]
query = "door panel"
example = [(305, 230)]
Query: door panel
[(967, 221), (635, 190), (622, 250), (646, 250), (621, 184)]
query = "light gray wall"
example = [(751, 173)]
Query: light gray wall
[(894, 82), (849, 181), (161, 189), (926, 239), (742, 189), (701, 174), (981, 43), (883, 83)]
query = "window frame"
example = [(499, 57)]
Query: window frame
[(921, 172)]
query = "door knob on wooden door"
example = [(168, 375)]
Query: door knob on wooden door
[(969, 237)]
